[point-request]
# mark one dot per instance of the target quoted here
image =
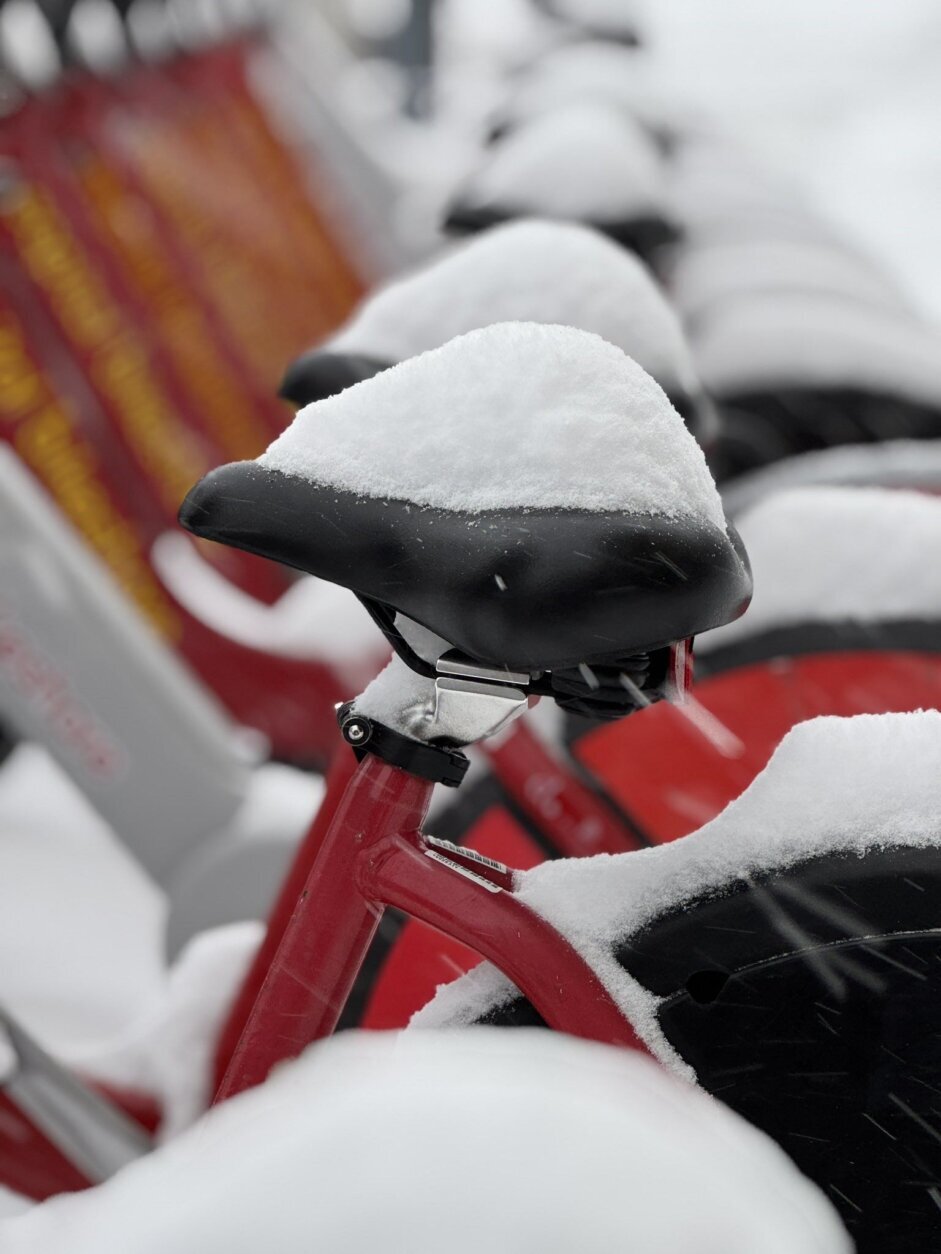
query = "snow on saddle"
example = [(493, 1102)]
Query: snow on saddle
[(794, 372), (788, 953), (525, 492), (525, 271), (837, 568), (587, 162)]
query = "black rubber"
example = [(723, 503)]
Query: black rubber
[(8, 743), (646, 235), (439, 763), (914, 636), (317, 374), (529, 589), (760, 427), (810, 1002)]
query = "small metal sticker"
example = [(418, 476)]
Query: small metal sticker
[(463, 870), (471, 854)]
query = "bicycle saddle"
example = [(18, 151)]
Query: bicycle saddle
[(484, 491), (316, 375), (320, 373), (527, 270), (643, 233), (549, 166)]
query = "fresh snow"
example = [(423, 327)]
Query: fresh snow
[(525, 271), (708, 276), (399, 698), (787, 339), (588, 71), (832, 785), (508, 416), (12, 1204), (590, 162), (168, 1049), (312, 620), (711, 175), (81, 927), (836, 554), (887, 464), (500, 1141)]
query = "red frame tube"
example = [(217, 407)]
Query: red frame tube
[(374, 855), (567, 811), (342, 770)]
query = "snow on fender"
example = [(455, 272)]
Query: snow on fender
[(480, 1140)]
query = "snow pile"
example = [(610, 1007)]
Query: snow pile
[(587, 161), (525, 271), (711, 175), (832, 785), (733, 271), (168, 1050), (81, 924), (512, 415), (12, 1204), (822, 554), (418, 1143), (780, 340), (588, 71), (889, 463), (313, 620), (607, 17)]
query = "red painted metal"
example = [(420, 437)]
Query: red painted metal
[(372, 856), (673, 773), (142, 1107), (420, 957), (542, 964), (573, 818), (29, 1162), (289, 900), (325, 942)]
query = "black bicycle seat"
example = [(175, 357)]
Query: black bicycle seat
[(531, 589), (644, 234), (320, 373), (760, 427)]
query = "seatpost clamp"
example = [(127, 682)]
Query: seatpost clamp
[(437, 763)]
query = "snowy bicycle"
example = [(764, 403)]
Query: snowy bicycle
[(514, 562)]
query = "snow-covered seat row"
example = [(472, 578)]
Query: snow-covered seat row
[(525, 492), (844, 561), (801, 371), (532, 270), (914, 464), (589, 163), (589, 71), (708, 278), (846, 619)]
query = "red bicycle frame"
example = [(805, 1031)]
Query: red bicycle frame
[(374, 855)]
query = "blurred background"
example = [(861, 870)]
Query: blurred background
[(843, 97), (195, 192)]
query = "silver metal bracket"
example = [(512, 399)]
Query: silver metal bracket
[(473, 701)]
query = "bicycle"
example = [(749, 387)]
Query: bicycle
[(374, 854)]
